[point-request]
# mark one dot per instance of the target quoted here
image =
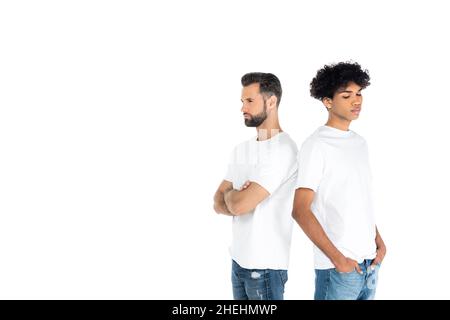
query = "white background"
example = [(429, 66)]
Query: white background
[(117, 119)]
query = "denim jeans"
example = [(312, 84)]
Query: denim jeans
[(334, 285), (257, 284)]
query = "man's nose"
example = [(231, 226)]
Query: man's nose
[(357, 100)]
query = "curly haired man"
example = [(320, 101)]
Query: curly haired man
[(333, 203)]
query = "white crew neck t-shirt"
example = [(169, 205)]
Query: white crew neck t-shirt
[(335, 165), (262, 238)]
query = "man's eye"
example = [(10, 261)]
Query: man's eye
[(345, 97), (359, 94)]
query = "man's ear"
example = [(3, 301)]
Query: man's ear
[(327, 102), (272, 102)]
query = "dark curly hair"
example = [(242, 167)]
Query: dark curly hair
[(335, 76), (269, 84)]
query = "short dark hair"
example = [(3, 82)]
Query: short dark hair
[(335, 76), (269, 84)]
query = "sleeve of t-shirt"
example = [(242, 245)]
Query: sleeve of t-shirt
[(310, 165), (229, 172), (274, 169)]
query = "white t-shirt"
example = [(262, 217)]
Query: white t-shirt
[(335, 165), (262, 237)]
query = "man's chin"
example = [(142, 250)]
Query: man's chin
[(249, 124)]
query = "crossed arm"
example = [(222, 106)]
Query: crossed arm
[(234, 202)]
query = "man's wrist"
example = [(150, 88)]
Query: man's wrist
[(339, 260)]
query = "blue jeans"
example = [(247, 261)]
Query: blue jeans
[(334, 285), (257, 284)]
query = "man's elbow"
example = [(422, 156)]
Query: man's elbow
[(299, 215), (217, 199)]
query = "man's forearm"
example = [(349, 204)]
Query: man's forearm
[(312, 228), (246, 199), (233, 199)]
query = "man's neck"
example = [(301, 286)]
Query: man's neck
[(341, 124), (267, 133)]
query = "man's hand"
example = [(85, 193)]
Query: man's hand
[(245, 185), (346, 265), (381, 251)]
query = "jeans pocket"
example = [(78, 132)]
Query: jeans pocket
[(344, 273)]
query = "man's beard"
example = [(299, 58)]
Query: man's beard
[(258, 119)]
